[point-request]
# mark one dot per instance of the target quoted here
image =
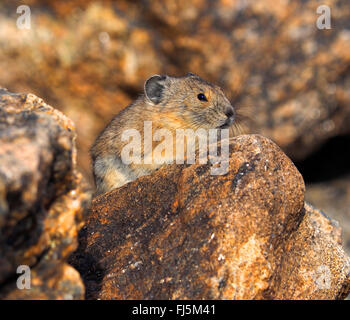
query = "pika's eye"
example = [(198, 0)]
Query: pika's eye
[(202, 97)]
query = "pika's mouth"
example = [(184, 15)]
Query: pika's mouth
[(228, 123)]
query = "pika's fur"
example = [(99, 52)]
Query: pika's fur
[(187, 102)]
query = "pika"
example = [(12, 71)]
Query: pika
[(171, 103)]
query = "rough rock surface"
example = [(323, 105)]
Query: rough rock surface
[(333, 197), (314, 264), (90, 58), (183, 233), (42, 198)]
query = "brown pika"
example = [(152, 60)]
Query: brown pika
[(170, 103)]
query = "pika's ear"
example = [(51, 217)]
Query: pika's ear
[(154, 87)]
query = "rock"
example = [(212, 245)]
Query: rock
[(183, 233), (42, 199), (91, 59), (314, 265), (327, 176), (333, 197)]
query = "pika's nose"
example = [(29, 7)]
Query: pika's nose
[(229, 112)]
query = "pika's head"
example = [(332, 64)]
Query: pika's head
[(198, 102)]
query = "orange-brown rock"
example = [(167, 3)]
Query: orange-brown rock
[(333, 197), (314, 265), (183, 233), (42, 199)]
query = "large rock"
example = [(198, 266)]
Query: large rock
[(183, 233), (91, 59), (42, 199)]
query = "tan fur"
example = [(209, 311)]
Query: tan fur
[(178, 108)]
